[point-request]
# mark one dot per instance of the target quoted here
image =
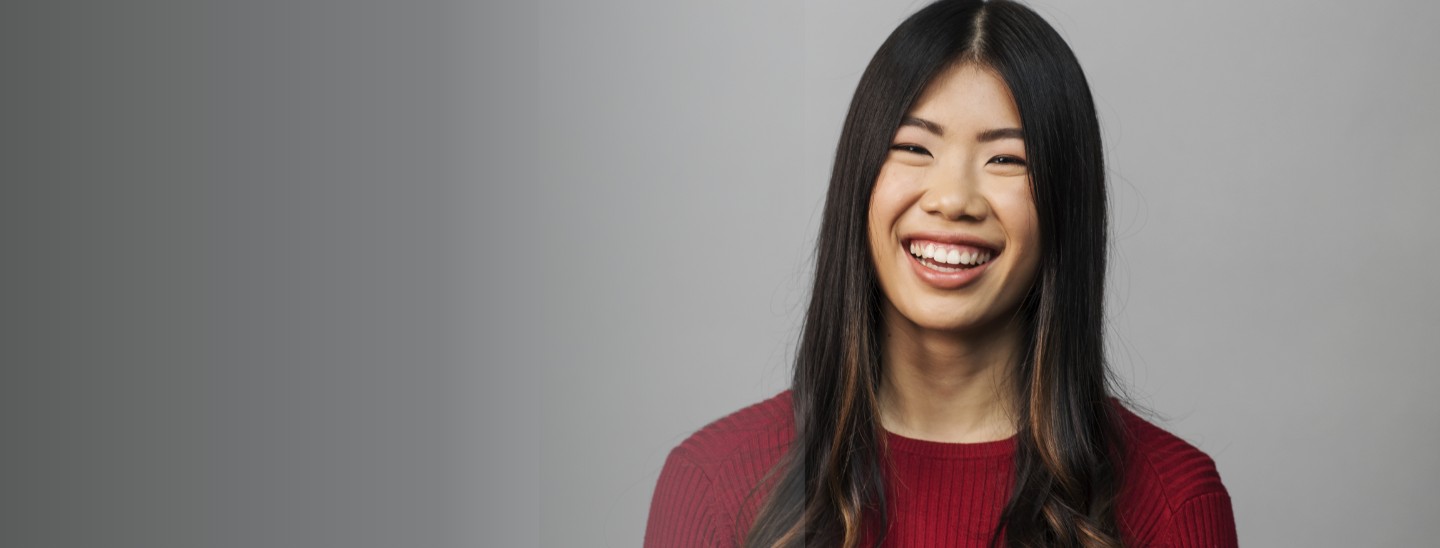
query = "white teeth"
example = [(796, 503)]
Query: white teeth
[(943, 268), (941, 256)]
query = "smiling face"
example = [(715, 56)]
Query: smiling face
[(955, 190)]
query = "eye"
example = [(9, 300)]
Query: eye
[(1007, 161), (911, 148)]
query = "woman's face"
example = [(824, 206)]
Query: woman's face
[(955, 191)]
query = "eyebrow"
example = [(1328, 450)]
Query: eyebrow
[(984, 136), (924, 124)]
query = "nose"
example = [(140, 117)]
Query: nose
[(955, 195)]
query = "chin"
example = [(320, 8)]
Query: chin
[(951, 325), (942, 320)]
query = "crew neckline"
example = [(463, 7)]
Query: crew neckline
[(950, 450), (926, 448)]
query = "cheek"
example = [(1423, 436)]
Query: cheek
[(1022, 223), (1027, 228), (888, 199), (1016, 210)]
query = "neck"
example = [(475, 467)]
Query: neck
[(946, 386)]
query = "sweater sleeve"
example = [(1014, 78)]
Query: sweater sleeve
[(681, 515), (1205, 520)]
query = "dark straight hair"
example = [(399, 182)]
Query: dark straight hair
[(828, 489)]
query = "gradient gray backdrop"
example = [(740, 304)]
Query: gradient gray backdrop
[(313, 273)]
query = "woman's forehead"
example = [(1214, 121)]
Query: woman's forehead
[(966, 95)]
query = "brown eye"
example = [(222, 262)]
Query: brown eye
[(911, 148), (1007, 161)]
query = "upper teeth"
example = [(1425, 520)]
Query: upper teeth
[(949, 255)]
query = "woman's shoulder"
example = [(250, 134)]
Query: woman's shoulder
[(710, 480), (1172, 492), (1166, 464), (760, 430)]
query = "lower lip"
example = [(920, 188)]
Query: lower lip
[(947, 280)]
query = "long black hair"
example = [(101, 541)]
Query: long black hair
[(828, 489)]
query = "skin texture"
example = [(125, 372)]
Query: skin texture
[(947, 352)]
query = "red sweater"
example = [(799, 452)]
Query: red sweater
[(941, 494)]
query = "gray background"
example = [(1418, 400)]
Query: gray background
[(320, 273)]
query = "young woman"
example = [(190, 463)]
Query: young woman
[(950, 387)]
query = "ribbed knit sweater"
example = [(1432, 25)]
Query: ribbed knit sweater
[(940, 494)]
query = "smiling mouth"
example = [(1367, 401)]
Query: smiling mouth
[(949, 257)]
